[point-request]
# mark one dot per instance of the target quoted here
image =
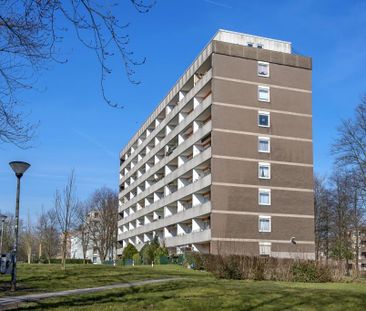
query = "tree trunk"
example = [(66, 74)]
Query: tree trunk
[(40, 252), (357, 233), (357, 252), (64, 251)]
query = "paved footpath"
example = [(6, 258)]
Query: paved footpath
[(12, 301)]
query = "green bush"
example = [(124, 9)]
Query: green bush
[(147, 252), (70, 261), (129, 251), (160, 252), (137, 259)]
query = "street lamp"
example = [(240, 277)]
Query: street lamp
[(19, 169), (2, 218)]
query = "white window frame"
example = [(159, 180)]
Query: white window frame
[(268, 139), (267, 88), (264, 113), (260, 74), (259, 170), (268, 191), (269, 225), (265, 244)]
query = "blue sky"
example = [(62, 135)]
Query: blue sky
[(78, 130)]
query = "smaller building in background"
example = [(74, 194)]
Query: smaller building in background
[(77, 249), (89, 235), (362, 249)]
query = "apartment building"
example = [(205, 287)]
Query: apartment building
[(359, 243), (225, 162)]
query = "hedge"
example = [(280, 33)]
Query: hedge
[(260, 268), (70, 261)]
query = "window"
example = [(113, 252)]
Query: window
[(263, 69), (264, 224), (264, 119), (264, 144), (265, 248), (263, 93), (264, 170), (264, 196)]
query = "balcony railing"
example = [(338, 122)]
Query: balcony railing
[(191, 213), (189, 96), (198, 159), (191, 238)]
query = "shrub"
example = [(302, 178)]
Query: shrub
[(194, 260), (136, 259), (261, 268), (310, 271), (160, 252), (70, 261), (129, 251), (147, 252)]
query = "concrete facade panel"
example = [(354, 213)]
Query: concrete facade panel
[(245, 172), (247, 120), (246, 227), (246, 199), (246, 69), (246, 146), (252, 248), (241, 94)]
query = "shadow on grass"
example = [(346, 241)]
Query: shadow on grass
[(209, 295), (116, 296), (48, 278)]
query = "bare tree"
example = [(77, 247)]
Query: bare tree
[(28, 239), (342, 216), (322, 206), (102, 222), (31, 33), (49, 236), (357, 207), (350, 151), (350, 146), (83, 232), (65, 211)]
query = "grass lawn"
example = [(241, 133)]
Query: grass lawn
[(200, 291), (37, 278)]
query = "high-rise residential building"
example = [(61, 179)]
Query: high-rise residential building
[(225, 163)]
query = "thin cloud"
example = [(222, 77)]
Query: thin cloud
[(96, 143), (223, 5)]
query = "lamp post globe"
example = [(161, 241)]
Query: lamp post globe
[(19, 168)]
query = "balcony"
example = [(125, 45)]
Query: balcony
[(196, 138), (189, 165), (194, 212), (189, 96), (191, 238)]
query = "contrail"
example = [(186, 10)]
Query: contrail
[(218, 4), (96, 143)]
